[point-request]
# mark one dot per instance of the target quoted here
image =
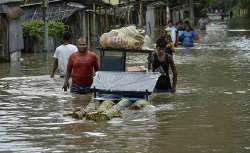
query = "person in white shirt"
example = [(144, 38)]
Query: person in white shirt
[(173, 31), (203, 23), (62, 54)]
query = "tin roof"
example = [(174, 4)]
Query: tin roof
[(56, 13), (28, 3), (9, 1)]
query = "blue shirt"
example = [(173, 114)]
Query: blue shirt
[(188, 38)]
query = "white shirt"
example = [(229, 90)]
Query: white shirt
[(173, 34), (63, 53), (203, 23)]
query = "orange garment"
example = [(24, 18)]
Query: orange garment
[(83, 66), (171, 46)]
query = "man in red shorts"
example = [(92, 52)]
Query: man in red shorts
[(82, 66)]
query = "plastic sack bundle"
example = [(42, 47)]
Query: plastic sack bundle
[(126, 37)]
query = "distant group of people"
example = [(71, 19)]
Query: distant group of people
[(182, 33), (172, 36), (221, 13)]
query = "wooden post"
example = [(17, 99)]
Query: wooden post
[(149, 61), (168, 12), (114, 17), (8, 41), (45, 26), (124, 56), (83, 24), (89, 30), (94, 22), (106, 20), (140, 14), (128, 17), (191, 11), (94, 92), (146, 95), (101, 57), (101, 19)]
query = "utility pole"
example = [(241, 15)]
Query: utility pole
[(140, 14), (45, 26), (94, 23), (168, 16), (191, 11)]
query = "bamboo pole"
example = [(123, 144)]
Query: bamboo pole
[(89, 30), (114, 16), (106, 20), (191, 10), (140, 14), (168, 12), (45, 20), (94, 21)]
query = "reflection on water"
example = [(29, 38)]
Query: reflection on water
[(209, 112)]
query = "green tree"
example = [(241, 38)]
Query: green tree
[(34, 29), (244, 4)]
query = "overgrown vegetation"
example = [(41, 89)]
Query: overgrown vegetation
[(242, 8), (34, 29), (244, 4)]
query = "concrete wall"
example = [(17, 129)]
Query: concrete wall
[(150, 22), (12, 42), (15, 39)]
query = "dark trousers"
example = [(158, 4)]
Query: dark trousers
[(77, 89), (163, 84)]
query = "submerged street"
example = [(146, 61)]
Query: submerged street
[(210, 111)]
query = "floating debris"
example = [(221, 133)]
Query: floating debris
[(241, 92), (228, 93)]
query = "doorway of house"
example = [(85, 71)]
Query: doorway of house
[(3, 38)]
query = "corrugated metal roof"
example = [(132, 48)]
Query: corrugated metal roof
[(158, 3), (10, 1), (112, 2), (37, 2), (56, 13)]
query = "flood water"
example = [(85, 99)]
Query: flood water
[(209, 113)]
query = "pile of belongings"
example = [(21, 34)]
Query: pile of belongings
[(125, 37)]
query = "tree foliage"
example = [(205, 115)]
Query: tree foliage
[(212, 2), (34, 29), (244, 4)]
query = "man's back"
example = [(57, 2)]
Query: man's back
[(203, 23), (62, 53)]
